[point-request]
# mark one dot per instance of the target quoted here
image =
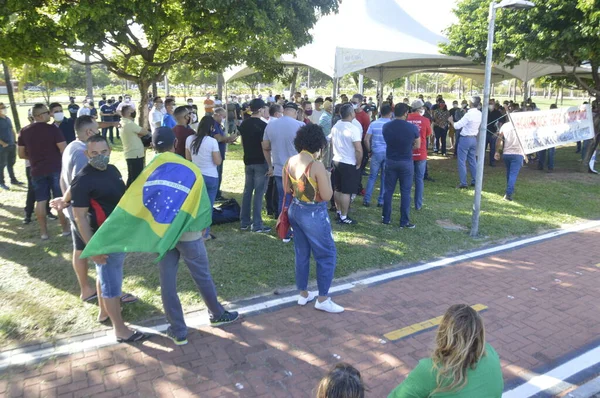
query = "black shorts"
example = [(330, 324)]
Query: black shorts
[(346, 178), (78, 243)]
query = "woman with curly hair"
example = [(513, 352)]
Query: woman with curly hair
[(462, 364), (309, 183)]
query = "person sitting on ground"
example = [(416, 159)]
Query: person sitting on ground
[(203, 151), (462, 364), (343, 381), (309, 183)]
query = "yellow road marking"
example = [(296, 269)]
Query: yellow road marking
[(428, 324)]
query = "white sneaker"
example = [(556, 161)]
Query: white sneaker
[(304, 300), (328, 306)]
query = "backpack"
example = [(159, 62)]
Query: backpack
[(226, 212)]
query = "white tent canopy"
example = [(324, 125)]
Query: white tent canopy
[(394, 41)]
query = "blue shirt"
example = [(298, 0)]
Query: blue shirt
[(219, 131), (107, 108), (375, 129), (6, 131), (168, 121), (67, 127), (399, 136)]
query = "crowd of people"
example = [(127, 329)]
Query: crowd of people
[(299, 156)]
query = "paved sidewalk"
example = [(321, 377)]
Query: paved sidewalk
[(542, 300)]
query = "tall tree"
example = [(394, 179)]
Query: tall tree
[(140, 40), (48, 78)]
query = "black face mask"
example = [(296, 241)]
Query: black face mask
[(133, 114)]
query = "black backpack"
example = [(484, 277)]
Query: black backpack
[(226, 212)]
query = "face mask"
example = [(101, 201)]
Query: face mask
[(354, 106), (455, 106), (190, 102), (127, 100), (491, 107), (194, 118), (99, 162), (133, 114), (421, 112), (308, 113), (59, 116)]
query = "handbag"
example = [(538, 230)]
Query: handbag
[(283, 221)]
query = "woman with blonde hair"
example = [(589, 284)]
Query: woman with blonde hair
[(462, 364)]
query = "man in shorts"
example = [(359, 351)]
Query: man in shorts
[(347, 157)]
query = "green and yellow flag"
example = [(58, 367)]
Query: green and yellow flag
[(166, 200)]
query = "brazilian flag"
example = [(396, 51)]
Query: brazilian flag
[(167, 199)]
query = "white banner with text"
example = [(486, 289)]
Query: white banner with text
[(541, 130)]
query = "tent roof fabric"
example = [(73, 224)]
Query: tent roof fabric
[(396, 42)]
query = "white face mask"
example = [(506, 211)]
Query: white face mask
[(190, 102), (194, 118), (421, 112), (491, 107), (59, 116), (354, 106), (127, 100)]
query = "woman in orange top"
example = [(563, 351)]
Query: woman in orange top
[(307, 180)]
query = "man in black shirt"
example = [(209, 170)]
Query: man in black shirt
[(495, 120), (94, 194), (66, 125), (73, 108), (252, 131)]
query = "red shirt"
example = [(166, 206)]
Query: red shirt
[(364, 120), (181, 133), (424, 126), (39, 140)]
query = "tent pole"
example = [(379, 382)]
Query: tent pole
[(380, 88), (226, 112), (335, 90), (361, 83)]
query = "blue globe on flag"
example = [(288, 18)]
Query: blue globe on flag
[(166, 189)]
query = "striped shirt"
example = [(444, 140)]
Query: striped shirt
[(375, 129)]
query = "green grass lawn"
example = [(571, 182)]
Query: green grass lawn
[(39, 291)]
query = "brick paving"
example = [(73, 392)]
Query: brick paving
[(543, 304)]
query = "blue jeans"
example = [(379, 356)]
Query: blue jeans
[(44, 185), (542, 158), (254, 190), (312, 232), (466, 153), (395, 171), (490, 139), (196, 259), (513, 166), (377, 165), (420, 167), (212, 184), (110, 275)]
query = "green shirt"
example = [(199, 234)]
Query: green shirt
[(485, 381)]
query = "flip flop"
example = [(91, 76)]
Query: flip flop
[(105, 321), (91, 298), (128, 298), (135, 337)]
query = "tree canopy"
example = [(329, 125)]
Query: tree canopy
[(140, 40), (557, 31)]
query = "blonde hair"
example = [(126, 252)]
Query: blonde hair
[(460, 344), (343, 381)]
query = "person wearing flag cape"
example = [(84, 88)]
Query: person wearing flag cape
[(164, 211)]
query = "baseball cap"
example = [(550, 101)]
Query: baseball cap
[(290, 105), (416, 104), (257, 104), (163, 138)]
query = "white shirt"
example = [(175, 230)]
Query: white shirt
[(343, 135), (356, 123), (316, 115), (469, 123), (270, 98), (156, 116), (203, 159), (218, 103), (123, 103), (84, 110)]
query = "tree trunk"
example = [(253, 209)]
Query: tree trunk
[(88, 78), (11, 96), (143, 86), (293, 82), (220, 83)]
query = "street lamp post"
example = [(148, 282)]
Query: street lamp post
[(512, 4)]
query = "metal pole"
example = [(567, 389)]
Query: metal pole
[(335, 89), (361, 83), (484, 122)]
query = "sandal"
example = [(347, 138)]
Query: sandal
[(135, 337), (91, 298), (104, 321), (128, 298)]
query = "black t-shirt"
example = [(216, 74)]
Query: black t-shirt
[(73, 108), (98, 190), (252, 131), (399, 136), (494, 117)]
